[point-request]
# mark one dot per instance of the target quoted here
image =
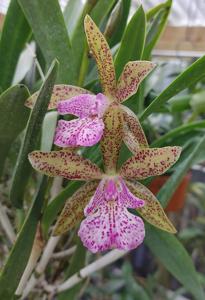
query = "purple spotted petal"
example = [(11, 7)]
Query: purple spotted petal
[(111, 226), (127, 199), (113, 190), (79, 132), (84, 105)]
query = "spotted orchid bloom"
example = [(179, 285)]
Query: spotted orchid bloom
[(90, 109), (106, 196)]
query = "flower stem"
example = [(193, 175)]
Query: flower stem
[(102, 262)]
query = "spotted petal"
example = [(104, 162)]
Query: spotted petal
[(102, 54), (84, 105), (132, 75), (80, 132), (64, 163), (111, 226), (152, 211), (72, 212), (60, 92), (150, 162), (133, 134), (112, 190), (112, 137)]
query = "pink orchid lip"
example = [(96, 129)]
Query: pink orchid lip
[(108, 223), (87, 130)]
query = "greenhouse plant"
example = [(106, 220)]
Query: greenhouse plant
[(88, 127)]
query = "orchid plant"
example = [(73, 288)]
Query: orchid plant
[(81, 113), (105, 198)]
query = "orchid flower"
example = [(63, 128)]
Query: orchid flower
[(88, 129), (105, 197)]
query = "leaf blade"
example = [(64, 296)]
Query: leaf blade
[(15, 33), (23, 168), (50, 32)]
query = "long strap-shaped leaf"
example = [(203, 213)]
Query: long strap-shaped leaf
[(190, 76), (13, 116), (46, 20), (175, 258), (23, 168), (165, 246), (134, 38), (15, 33)]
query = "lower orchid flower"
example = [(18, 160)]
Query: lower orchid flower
[(105, 198)]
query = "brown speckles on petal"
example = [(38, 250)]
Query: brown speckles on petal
[(64, 163), (60, 92), (72, 212), (152, 211), (134, 72), (102, 54), (150, 162), (112, 137), (133, 134)]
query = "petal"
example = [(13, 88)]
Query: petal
[(152, 211), (102, 54), (133, 134), (84, 105), (112, 226), (60, 92), (150, 162), (132, 75), (127, 199), (112, 137), (80, 132), (92, 133), (97, 199), (72, 212), (130, 231), (64, 163)]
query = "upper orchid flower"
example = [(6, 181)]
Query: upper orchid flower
[(88, 129), (104, 199)]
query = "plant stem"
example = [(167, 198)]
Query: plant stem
[(102, 262), (64, 253)]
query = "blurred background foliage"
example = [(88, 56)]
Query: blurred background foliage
[(171, 106)]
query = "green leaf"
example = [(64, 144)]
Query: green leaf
[(57, 204), (191, 75), (134, 36), (72, 13), (19, 255), (77, 263), (175, 258), (156, 28), (185, 128), (15, 33), (154, 11), (122, 22), (172, 183), (13, 116), (47, 23), (23, 167)]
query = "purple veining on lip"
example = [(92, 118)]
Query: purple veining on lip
[(108, 223)]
